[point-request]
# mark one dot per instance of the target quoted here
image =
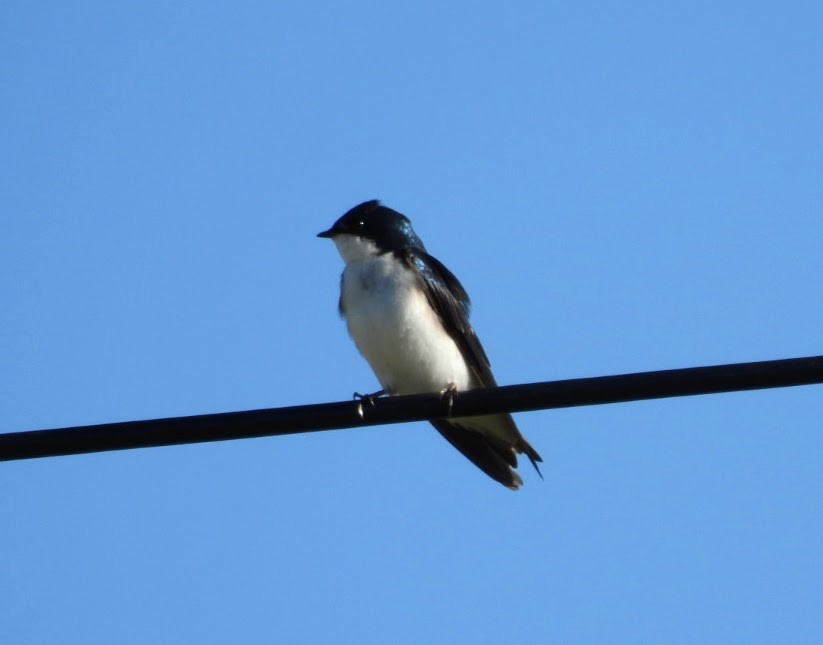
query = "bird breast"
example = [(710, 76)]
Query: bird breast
[(397, 331)]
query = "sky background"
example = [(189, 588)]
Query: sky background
[(620, 187)]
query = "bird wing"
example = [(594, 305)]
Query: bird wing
[(451, 303), (494, 455)]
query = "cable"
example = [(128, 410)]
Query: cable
[(398, 409)]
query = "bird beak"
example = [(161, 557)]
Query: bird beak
[(329, 234)]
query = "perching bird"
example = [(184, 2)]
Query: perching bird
[(409, 317)]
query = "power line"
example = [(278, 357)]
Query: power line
[(349, 414)]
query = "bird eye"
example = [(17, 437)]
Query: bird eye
[(361, 224)]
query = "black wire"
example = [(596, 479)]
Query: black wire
[(399, 409)]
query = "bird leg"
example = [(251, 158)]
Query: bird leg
[(368, 398)]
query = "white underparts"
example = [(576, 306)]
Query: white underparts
[(393, 325)]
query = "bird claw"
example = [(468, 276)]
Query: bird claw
[(448, 397), (368, 399)]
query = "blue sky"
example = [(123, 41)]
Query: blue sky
[(620, 187)]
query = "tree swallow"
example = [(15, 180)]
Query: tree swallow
[(409, 317)]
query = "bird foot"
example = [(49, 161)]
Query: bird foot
[(368, 399), (448, 397)]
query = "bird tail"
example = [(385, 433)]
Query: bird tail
[(495, 458), (525, 448)]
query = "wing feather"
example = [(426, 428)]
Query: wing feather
[(450, 301)]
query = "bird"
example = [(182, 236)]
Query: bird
[(409, 317)]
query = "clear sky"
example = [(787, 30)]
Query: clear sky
[(619, 186)]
